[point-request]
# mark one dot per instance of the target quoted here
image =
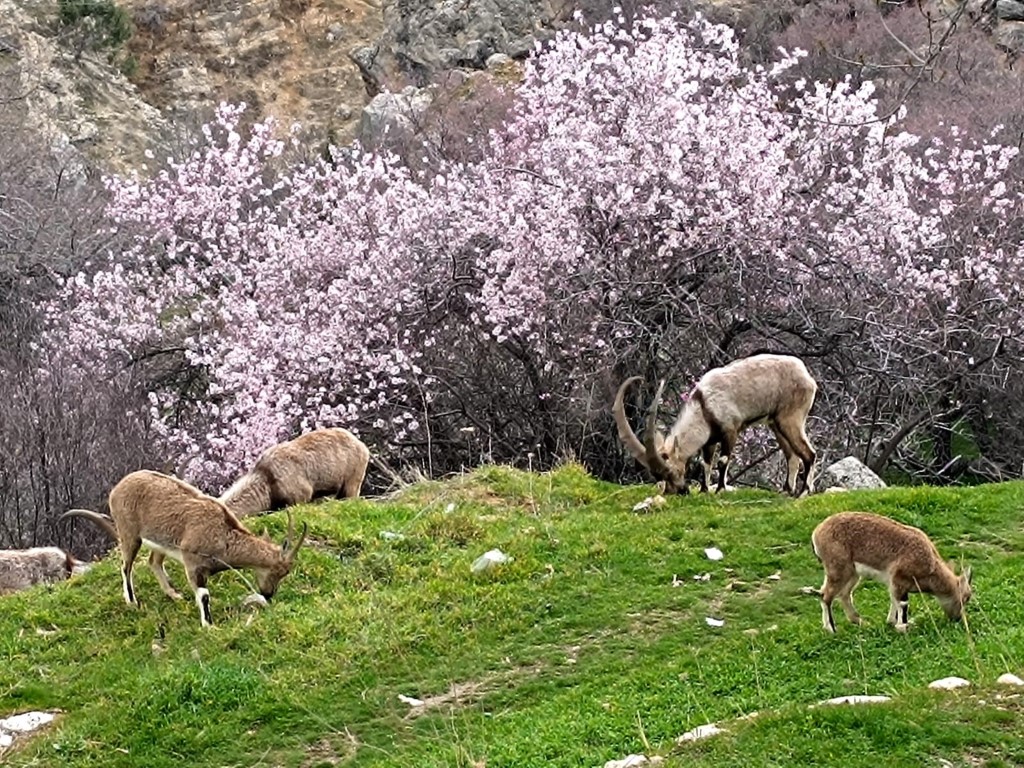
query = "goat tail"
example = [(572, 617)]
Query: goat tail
[(103, 521)]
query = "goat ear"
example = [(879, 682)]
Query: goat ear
[(967, 575)]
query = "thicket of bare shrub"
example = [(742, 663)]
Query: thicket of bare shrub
[(64, 439)]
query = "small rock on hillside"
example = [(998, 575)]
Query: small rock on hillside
[(849, 473)]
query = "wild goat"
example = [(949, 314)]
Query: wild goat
[(176, 520), (852, 545), (774, 389), (24, 568), (320, 463)]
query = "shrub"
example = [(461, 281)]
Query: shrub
[(98, 24), (65, 438)]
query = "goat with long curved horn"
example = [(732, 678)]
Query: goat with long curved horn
[(773, 389)]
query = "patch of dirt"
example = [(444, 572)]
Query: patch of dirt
[(966, 760), (752, 590), (345, 548), (654, 621), (336, 749), (462, 694), (716, 605)]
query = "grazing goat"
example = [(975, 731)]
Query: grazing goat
[(852, 545), (774, 389), (176, 520), (321, 463), (24, 568)]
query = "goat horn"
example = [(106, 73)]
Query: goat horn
[(103, 521), (653, 441), (626, 433), (286, 545), (298, 545)]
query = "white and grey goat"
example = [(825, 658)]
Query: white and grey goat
[(773, 389)]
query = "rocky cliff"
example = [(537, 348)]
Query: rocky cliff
[(316, 61), (73, 98), (320, 62)]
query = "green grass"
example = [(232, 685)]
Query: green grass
[(578, 651)]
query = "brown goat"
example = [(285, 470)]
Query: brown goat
[(852, 545), (176, 520), (772, 389), (24, 568), (325, 462)]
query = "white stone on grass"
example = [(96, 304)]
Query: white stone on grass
[(26, 722), (857, 699), (849, 473), (700, 732), (949, 683), (489, 560), (632, 761), (713, 553), (1009, 679), (650, 501), (255, 599)]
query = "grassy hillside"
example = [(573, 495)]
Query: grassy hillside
[(579, 651)]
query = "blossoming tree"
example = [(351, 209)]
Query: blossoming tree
[(651, 205)]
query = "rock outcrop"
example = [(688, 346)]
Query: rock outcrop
[(422, 38), (319, 62), (849, 474), (78, 100)]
